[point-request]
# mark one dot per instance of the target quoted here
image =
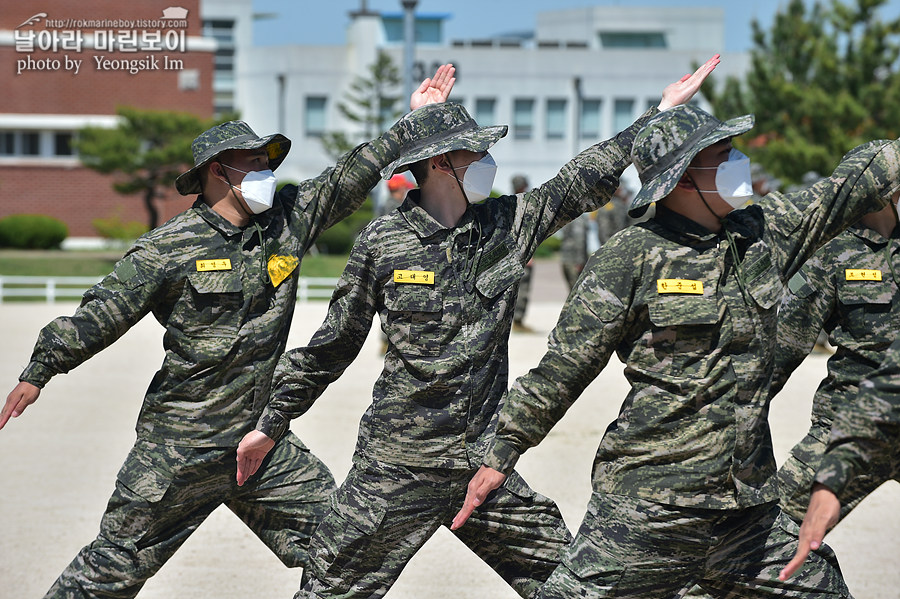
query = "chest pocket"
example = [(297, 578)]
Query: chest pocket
[(216, 298), (682, 323), (414, 319), (865, 305), (499, 270), (763, 282)]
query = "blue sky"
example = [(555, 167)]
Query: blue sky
[(324, 21)]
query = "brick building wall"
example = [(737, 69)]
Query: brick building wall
[(60, 187)]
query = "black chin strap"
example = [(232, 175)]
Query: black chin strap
[(458, 182), (236, 199)]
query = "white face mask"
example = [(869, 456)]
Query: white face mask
[(258, 189), (734, 183), (478, 181)]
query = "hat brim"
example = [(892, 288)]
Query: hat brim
[(477, 139), (663, 184), (277, 147)]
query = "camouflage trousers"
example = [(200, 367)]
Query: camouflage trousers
[(383, 514), (628, 547), (796, 476), (163, 493)]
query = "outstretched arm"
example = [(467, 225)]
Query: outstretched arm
[(23, 395), (684, 89), (822, 514), (434, 90)]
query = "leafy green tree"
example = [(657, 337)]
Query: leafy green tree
[(370, 103), (822, 80), (149, 149)]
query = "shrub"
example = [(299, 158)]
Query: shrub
[(32, 231), (114, 228), (548, 247)]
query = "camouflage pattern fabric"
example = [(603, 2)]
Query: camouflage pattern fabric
[(628, 547), (444, 298), (207, 282), (384, 513), (226, 322), (573, 252), (164, 492), (849, 289), (664, 148), (865, 435), (697, 333), (523, 293)]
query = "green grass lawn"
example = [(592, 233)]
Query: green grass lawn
[(95, 264)]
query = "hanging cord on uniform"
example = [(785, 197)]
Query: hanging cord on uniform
[(262, 239), (475, 260), (729, 237), (264, 256)]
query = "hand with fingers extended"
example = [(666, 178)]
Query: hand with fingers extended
[(681, 91), (435, 89), (23, 395), (251, 452), (481, 485), (821, 515)]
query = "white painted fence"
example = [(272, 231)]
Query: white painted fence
[(54, 288)]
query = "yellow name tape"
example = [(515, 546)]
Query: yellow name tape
[(219, 264), (421, 277), (679, 286), (860, 274)]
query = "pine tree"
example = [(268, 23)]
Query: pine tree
[(148, 149), (822, 81)]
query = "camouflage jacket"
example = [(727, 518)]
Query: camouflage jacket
[(445, 299), (697, 337), (225, 296), (865, 436), (849, 288)]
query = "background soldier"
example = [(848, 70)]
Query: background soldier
[(222, 279), (849, 289), (441, 272), (520, 186), (684, 485), (864, 443)]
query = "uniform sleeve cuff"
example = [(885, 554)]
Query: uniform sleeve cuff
[(501, 457), (835, 473), (37, 374), (272, 424)]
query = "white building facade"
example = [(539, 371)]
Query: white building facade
[(580, 77)]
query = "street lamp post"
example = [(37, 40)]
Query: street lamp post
[(409, 42)]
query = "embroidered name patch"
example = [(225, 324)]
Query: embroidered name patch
[(859, 274), (280, 268), (421, 277), (218, 264), (679, 286)]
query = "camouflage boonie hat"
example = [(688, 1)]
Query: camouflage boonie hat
[(436, 129), (233, 135), (668, 142)]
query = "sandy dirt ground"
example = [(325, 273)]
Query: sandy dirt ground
[(60, 459)]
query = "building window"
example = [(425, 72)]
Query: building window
[(623, 114), (221, 30), (486, 111), (315, 116), (633, 39), (523, 118), (62, 144), (7, 143), (556, 119), (31, 143), (589, 121)]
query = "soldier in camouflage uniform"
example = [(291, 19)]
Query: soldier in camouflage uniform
[(684, 485), (864, 443), (850, 289), (222, 279), (441, 273)]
